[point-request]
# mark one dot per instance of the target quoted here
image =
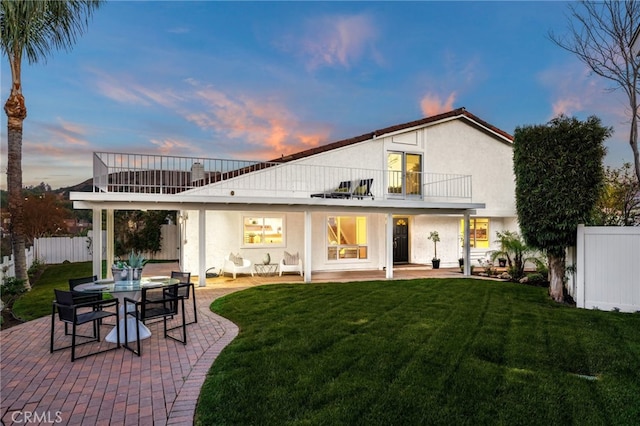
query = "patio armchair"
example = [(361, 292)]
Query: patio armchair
[(186, 290), (342, 191), (235, 264), (74, 314), (291, 263), (155, 303), (82, 297)]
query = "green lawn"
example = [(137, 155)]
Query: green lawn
[(436, 351), (37, 302)]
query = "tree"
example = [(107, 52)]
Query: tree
[(34, 29), (44, 215), (139, 230), (619, 204), (601, 37), (559, 176)]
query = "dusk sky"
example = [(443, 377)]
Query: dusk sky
[(257, 80)]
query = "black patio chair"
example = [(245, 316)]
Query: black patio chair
[(155, 302), (80, 296), (72, 313), (186, 290)]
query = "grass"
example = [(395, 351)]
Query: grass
[(37, 302), (436, 351)]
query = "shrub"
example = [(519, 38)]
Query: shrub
[(35, 267), (536, 278), (11, 289)]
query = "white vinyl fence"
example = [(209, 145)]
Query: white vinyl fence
[(55, 250), (608, 268)]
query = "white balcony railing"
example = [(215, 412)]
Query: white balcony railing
[(158, 174)]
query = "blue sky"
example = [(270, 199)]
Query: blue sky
[(256, 80)]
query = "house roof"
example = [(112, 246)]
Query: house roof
[(460, 113)]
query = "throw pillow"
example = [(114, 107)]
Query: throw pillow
[(291, 259), (236, 259)]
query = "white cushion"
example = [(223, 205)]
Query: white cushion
[(291, 259), (236, 259)]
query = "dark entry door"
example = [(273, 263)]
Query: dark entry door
[(400, 240)]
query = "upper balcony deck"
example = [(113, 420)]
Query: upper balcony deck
[(159, 174)]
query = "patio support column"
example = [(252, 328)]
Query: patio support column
[(97, 242), (110, 241), (307, 246), (389, 246), (467, 245), (202, 247)]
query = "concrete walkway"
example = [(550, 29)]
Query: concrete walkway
[(119, 388)]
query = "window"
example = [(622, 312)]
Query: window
[(347, 237), (404, 174), (478, 232), (263, 231)]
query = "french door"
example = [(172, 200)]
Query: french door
[(404, 174)]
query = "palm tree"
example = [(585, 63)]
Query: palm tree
[(31, 28)]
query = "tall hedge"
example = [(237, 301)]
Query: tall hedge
[(559, 174)]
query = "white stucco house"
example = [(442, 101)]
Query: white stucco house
[(364, 203)]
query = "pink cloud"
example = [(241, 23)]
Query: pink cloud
[(336, 41), (266, 125), (123, 90), (567, 105), (167, 146), (270, 127), (65, 133), (433, 104)]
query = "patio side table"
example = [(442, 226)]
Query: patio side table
[(266, 270)]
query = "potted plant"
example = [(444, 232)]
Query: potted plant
[(130, 269), (435, 237)]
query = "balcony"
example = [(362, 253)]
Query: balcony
[(158, 174)]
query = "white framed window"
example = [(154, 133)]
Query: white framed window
[(478, 232), (347, 238), (261, 231)]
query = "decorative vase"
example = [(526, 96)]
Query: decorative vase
[(266, 259)]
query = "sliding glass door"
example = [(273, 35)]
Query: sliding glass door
[(404, 174)]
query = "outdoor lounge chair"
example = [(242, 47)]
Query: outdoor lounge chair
[(240, 266), (291, 263), (342, 191), (363, 189)]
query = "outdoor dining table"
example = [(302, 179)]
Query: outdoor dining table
[(131, 290)]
